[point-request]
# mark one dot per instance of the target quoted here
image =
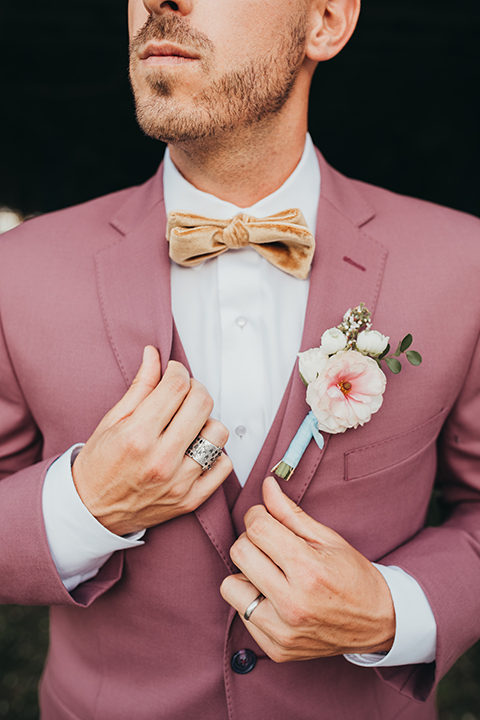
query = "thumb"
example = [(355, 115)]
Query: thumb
[(283, 509), (145, 381)]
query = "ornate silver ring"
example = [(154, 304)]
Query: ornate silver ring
[(203, 452)]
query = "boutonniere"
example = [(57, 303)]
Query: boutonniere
[(344, 380)]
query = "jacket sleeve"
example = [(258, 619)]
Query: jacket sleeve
[(445, 560), (27, 570)]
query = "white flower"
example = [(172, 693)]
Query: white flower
[(371, 342), (333, 340), (311, 363)]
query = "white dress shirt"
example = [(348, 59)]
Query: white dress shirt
[(240, 321)]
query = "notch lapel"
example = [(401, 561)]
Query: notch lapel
[(133, 279)]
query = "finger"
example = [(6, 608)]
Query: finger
[(239, 592), (295, 519), (158, 408), (213, 431), (145, 381), (259, 568), (192, 419), (284, 548), (206, 483)]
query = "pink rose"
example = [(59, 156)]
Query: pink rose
[(347, 392)]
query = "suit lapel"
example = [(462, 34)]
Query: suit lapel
[(133, 278), (214, 514), (347, 270)]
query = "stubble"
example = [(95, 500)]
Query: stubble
[(247, 95)]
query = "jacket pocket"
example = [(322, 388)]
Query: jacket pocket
[(380, 456)]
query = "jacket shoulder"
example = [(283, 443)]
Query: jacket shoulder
[(89, 225), (412, 212)]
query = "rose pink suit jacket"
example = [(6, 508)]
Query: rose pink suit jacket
[(82, 291)]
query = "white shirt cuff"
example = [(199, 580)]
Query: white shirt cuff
[(78, 543), (416, 629)]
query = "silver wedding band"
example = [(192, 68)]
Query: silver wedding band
[(253, 606), (203, 452)]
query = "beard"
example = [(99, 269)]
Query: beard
[(247, 95)]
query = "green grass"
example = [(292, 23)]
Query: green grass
[(23, 645)]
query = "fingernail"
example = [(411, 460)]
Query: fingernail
[(144, 353)]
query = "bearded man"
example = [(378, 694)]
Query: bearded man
[(112, 511)]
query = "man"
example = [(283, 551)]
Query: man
[(161, 625)]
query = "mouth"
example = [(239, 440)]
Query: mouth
[(165, 53)]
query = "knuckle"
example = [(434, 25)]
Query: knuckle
[(224, 464), (178, 495), (218, 432), (296, 616), (256, 523), (201, 395), (165, 467), (238, 549), (297, 510), (312, 583), (189, 504), (134, 442), (177, 383), (285, 641), (203, 400), (278, 654)]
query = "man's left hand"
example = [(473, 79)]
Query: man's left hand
[(322, 597)]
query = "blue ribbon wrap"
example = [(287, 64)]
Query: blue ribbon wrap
[(307, 430)]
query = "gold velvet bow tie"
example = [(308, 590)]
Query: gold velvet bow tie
[(283, 239)]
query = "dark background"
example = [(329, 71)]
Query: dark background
[(399, 108)]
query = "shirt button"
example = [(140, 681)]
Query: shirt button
[(241, 430), (241, 321), (243, 662)]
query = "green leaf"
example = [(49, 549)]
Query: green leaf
[(413, 357), (384, 353), (398, 351), (394, 365), (303, 380), (406, 342)]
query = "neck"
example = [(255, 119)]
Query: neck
[(246, 166)]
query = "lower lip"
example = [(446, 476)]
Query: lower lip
[(155, 60)]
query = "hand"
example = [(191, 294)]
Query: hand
[(323, 597), (133, 473)]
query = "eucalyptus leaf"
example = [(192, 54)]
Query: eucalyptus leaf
[(413, 357), (406, 342), (398, 351), (394, 365)]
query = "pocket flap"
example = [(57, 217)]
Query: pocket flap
[(380, 456)]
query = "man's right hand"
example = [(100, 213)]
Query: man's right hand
[(133, 473)]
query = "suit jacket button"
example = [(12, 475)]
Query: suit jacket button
[(243, 662)]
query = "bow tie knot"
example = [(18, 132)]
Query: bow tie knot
[(283, 239), (236, 235)]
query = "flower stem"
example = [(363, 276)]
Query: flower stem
[(283, 470)]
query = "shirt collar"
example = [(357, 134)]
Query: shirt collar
[(301, 190)]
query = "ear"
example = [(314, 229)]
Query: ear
[(332, 23)]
